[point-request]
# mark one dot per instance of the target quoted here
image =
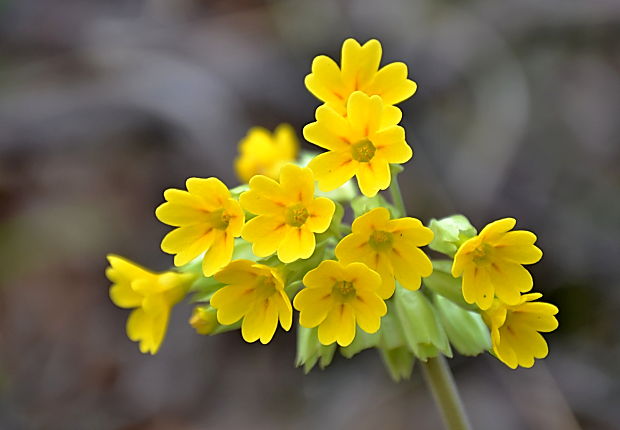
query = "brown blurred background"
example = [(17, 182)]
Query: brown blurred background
[(104, 104)]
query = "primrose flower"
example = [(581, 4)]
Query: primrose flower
[(208, 219), (151, 295), (363, 144), (288, 214), (263, 153), (254, 292), (491, 264), (515, 329), (338, 297), (389, 247), (359, 71)]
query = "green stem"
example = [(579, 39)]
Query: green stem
[(439, 378), (397, 197)]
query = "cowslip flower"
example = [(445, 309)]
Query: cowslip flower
[(151, 295), (338, 297), (264, 153), (491, 264), (362, 144), (254, 292), (390, 247), (515, 330), (359, 71), (207, 220), (288, 214)]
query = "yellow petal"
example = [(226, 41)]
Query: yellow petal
[(497, 229), (123, 296), (332, 169), (359, 63), (297, 243), (355, 247), (325, 82), (410, 230), (178, 215), (373, 176), (375, 219), (325, 275), (286, 141), (364, 114), (124, 270), (321, 210), (477, 287), (504, 351), (509, 280), (188, 242), (237, 272), (268, 188), (253, 321), (362, 277), (391, 145), (320, 135), (410, 264), (183, 198), (336, 125), (391, 83), (211, 190), (390, 116), (219, 254), (232, 303), (149, 330), (313, 305), (346, 331), (259, 203), (270, 322), (285, 310), (297, 183), (266, 233), (366, 317)]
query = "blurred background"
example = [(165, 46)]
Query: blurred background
[(104, 104)]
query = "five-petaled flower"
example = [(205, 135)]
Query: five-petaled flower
[(362, 144), (359, 71), (491, 264), (264, 153), (254, 292), (208, 219), (338, 297), (288, 214), (515, 329), (390, 247), (151, 295)]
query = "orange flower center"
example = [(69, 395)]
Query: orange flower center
[(296, 215), (363, 151), (219, 219), (343, 291), (381, 240)]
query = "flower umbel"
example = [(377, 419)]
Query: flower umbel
[(337, 297), (491, 264), (515, 329), (208, 219), (359, 71), (263, 153), (254, 292), (390, 247), (288, 214), (362, 144), (151, 295)]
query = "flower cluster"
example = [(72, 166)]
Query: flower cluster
[(281, 241)]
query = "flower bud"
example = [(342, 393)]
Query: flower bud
[(204, 319), (450, 233)]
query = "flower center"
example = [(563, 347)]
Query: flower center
[(343, 291), (381, 240), (265, 287), (363, 151), (483, 254), (296, 215), (219, 219)]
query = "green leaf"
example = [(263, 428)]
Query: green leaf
[(421, 326), (466, 330), (399, 362), (450, 233)]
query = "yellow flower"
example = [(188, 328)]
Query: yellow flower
[(491, 264), (338, 297), (288, 214), (363, 144), (261, 153), (359, 71), (515, 329), (389, 247), (151, 294), (208, 219), (254, 292)]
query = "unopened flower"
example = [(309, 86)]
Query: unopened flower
[(288, 214), (362, 144), (203, 319), (338, 297), (359, 71), (390, 247), (254, 292), (151, 295), (515, 330), (208, 219), (491, 264), (264, 153)]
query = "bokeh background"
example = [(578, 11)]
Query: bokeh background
[(104, 104)]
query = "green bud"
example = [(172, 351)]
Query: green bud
[(399, 362), (310, 350), (421, 326), (363, 204), (466, 330), (442, 282), (450, 233)]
